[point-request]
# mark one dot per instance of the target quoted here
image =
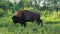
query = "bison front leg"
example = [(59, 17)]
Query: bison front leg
[(14, 23), (23, 23)]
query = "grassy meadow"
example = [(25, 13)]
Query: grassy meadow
[(51, 24)]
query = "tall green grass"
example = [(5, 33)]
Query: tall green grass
[(51, 25), (7, 27)]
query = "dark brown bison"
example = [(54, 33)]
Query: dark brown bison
[(24, 15)]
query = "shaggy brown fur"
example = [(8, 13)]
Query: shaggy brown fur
[(25, 15)]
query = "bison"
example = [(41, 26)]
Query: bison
[(24, 16)]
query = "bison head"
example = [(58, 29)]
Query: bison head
[(15, 19)]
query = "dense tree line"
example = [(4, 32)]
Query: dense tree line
[(46, 4)]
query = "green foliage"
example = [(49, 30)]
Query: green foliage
[(7, 27), (51, 23), (51, 20), (9, 12), (5, 12), (1, 12), (51, 17), (30, 8)]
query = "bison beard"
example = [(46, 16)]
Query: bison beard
[(24, 15)]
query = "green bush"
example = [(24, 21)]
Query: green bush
[(5, 12), (30, 8), (9, 12), (52, 17), (1, 12)]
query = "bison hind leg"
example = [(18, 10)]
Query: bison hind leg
[(39, 21)]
